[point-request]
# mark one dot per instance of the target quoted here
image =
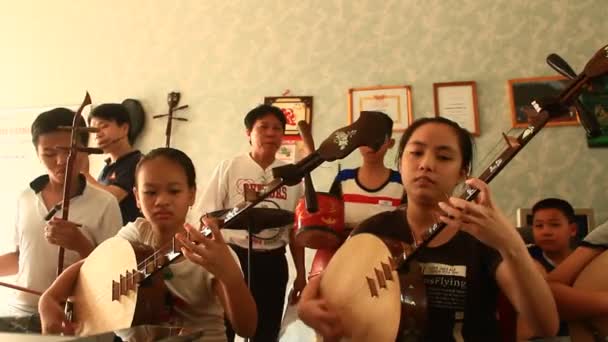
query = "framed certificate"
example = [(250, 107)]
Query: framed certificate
[(457, 101), (395, 101), (295, 108)]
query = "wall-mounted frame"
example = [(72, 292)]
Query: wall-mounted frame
[(457, 101), (585, 221), (522, 91), (594, 101), (295, 108), (395, 101)]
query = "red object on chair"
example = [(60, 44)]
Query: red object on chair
[(323, 229)]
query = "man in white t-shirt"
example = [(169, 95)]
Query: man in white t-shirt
[(265, 126), (94, 216)]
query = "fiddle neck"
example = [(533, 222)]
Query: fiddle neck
[(160, 258), (166, 250)]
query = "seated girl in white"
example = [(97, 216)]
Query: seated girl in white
[(207, 285)]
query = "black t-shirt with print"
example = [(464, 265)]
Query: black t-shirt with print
[(459, 277), (537, 254), (122, 174)]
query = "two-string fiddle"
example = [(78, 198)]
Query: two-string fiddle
[(173, 102), (74, 148)]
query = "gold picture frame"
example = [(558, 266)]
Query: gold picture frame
[(295, 108), (395, 101)]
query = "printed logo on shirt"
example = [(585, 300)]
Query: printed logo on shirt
[(248, 184), (432, 268), (385, 203), (446, 285)]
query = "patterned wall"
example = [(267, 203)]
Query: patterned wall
[(225, 56)]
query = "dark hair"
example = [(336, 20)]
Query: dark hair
[(261, 111), (173, 155), (50, 121), (115, 112), (558, 204), (464, 140)]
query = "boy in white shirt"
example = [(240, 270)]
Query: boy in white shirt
[(94, 216)]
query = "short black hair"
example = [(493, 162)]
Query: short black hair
[(465, 140), (557, 204), (174, 155), (112, 112), (261, 111), (50, 121)]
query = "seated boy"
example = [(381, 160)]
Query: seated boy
[(93, 217), (553, 226)]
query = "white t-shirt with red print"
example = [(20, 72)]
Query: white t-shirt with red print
[(225, 191)]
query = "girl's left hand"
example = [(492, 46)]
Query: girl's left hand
[(52, 317), (211, 253), (480, 218)]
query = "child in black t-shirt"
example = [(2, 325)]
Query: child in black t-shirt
[(464, 266), (115, 137)]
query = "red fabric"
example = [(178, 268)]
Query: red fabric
[(507, 318), (353, 198)]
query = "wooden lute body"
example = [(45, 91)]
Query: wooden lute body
[(361, 285), (108, 298)]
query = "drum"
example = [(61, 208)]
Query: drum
[(323, 229)]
